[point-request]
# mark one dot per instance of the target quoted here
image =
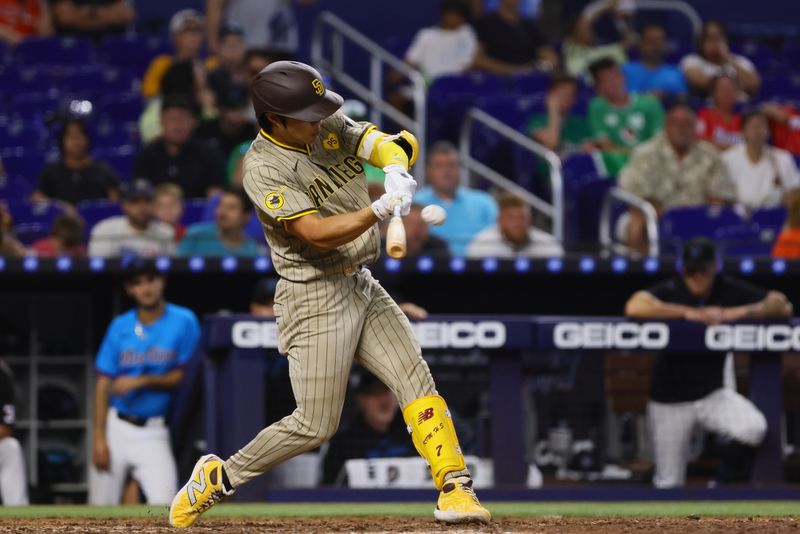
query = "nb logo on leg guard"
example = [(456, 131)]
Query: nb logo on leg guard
[(424, 415), (196, 485)]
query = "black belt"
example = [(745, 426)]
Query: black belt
[(133, 419)]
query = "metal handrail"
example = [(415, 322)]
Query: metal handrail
[(554, 210), (650, 217), (372, 95), (684, 8)]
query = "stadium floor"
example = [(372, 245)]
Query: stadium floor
[(511, 517)]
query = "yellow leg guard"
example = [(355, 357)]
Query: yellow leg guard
[(434, 436)]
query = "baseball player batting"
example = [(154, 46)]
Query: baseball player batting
[(304, 174)]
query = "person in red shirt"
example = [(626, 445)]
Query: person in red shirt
[(720, 124), (784, 121), (66, 238), (24, 18)]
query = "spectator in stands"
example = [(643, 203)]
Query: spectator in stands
[(468, 211), (66, 238), (10, 247), (651, 74), (763, 175), (510, 43), (229, 74), (580, 48), (262, 302), (687, 388), (620, 121), (233, 170), (22, 19), (179, 158), (787, 245), (13, 477), (513, 236), (785, 125), (559, 129), (377, 431), (267, 23), (225, 236), (419, 241), (186, 30), (449, 47), (720, 124), (76, 176), (183, 79), (674, 169), (136, 232), (713, 58), (168, 207), (94, 19), (232, 125)]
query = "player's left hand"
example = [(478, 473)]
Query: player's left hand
[(125, 384)]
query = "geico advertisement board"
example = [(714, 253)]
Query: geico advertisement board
[(431, 335)]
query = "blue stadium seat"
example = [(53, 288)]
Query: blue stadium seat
[(398, 45), (773, 218), (54, 51), (23, 162), (113, 134), (760, 54), (97, 80), (94, 211), (16, 80), (780, 86), (679, 224), (745, 240), (531, 83), (19, 133), (195, 209), (43, 212), (583, 200), (28, 233), (118, 158), (124, 107), (579, 164), (450, 96), (131, 51), (37, 105), (15, 188)]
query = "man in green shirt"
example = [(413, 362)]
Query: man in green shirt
[(620, 121), (558, 129)]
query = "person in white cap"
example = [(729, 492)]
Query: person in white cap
[(187, 31)]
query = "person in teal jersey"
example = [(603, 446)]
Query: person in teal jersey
[(139, 365), (620, 121), (225, 236), (468, 210)]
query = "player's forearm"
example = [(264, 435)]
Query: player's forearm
[(330, 232), (102, 389), (775, 306), (170, 380), (643, 305)]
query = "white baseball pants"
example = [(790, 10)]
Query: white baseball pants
[(723, 412), (13, 478), (144, 453)]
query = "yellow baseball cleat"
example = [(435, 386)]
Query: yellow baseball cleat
[(459, 504), (203, 490)]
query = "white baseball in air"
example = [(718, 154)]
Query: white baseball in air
[(433, 214)]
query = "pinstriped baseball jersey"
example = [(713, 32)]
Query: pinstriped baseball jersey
[(326, 177)]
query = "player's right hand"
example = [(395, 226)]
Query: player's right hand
[(385, 206), (101, 456)]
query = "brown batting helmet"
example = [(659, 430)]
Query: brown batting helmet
[(295, 90)]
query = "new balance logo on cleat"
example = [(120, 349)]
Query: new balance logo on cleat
[(198, 486)]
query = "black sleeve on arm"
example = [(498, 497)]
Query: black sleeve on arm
[(663, 291), (535, 36), (740, 293), (215, 168)]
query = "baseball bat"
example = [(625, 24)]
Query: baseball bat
[(396, 236)]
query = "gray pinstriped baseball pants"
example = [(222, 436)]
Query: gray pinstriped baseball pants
[(323, 325)]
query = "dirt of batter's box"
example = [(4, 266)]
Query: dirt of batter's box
[(543, 525)]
